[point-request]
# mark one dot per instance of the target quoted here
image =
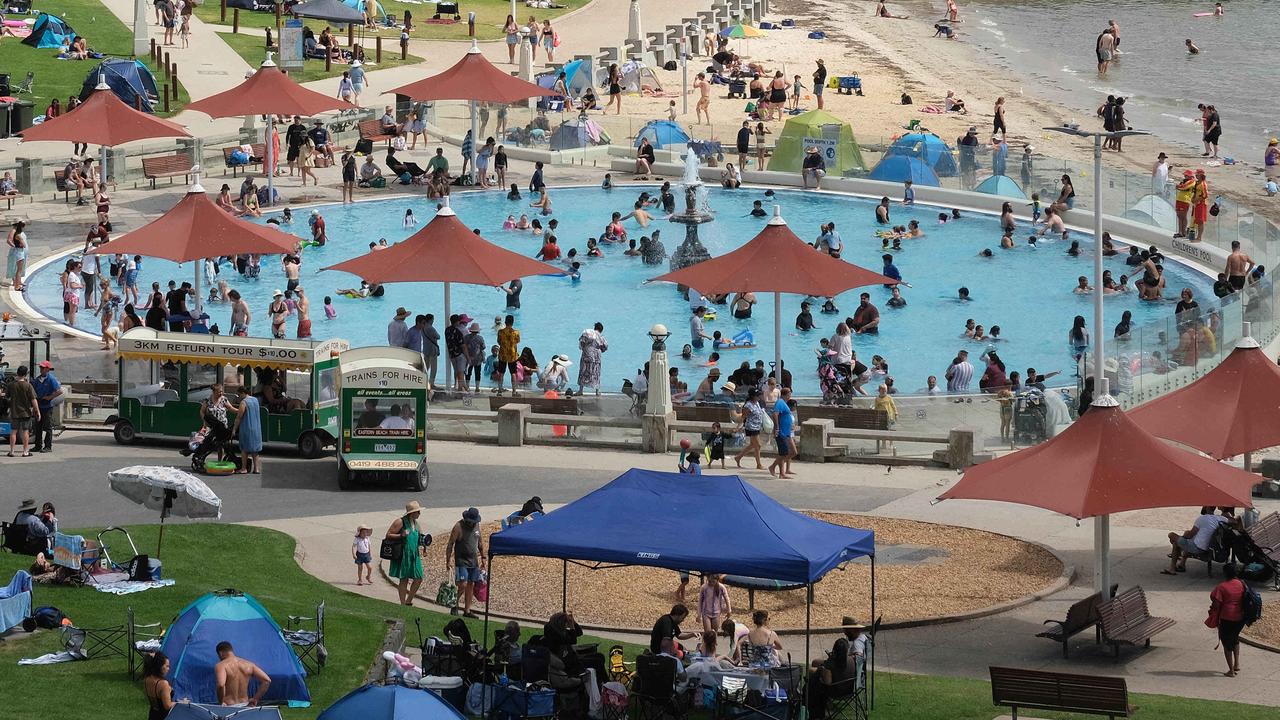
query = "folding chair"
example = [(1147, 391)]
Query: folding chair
[(96, 643), (535, 663), (653, 689), (309, 644), (26, 85), (141, 641), (618, 670)]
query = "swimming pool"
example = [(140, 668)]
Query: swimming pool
[(1027, 292)]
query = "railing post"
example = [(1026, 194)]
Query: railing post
[(166, 97), (235, 20), (814, 434), (377, 49), (222, 11)]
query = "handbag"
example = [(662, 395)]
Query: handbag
[(481, 587), (447, 594), (391, 548)]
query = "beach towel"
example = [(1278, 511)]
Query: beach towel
[(128, 587), (933, 109), (54, 658), (20, 583)]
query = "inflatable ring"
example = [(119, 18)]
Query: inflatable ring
[(709, 316), (214, 467)]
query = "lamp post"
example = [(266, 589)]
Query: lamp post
[(526, 62), (1101, 523), (657, 410), (634, 29), (684, 73)]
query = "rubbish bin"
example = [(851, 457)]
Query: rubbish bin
[(21, 114), (5, 113)]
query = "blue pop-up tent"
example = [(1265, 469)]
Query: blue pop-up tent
[(129, 79), (900, 168), (1001, 185), (49, 31), (662, 133), (390, 702), (928, 147), (230, 616)]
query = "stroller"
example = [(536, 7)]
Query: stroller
[(835, 382), (213, 437)]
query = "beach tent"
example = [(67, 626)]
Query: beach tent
[(900, 168), (662, 133), (577, 77), (1001, 185), (580, 132), (817, 128), (128, 79), (390, 702), (49, 32), (634, 74), (238, 619), (928, 147), (1153, 210), (331, 11), (362, 6)]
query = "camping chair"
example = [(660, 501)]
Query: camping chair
[(309, 644), (535, 663), (618, 670), (653, 689), (95, 643), (26, 85), (141, 641)]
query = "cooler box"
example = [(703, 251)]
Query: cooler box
[(451, 689)]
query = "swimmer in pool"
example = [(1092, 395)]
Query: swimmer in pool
[(593, 249), (536, 227), (509, 223), (354, 293), (515, 192), (979, 333), (942, 218), (1006, 240), (1052, 223), (986, 253), (642, 217), (1083, 287), (543, 203), (969, 327), (523, 223), (913, 229), (757, 209), (631, 250), (409, 219), (963, 294), (1191, 48), (1074, 250), (1031, 241)]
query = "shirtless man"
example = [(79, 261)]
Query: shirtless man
[(304, 314), (641, 215), (704, 97), (1106, 50), (240, 315), (1238, 266), (233, 675), (292, 268), (279, 313), (1052, 223)]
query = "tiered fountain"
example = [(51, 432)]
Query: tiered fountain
[(696, 212)]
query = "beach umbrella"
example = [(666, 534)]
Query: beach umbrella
[(390, 702), (195, 229), (269, 91), (742, 30), (775, 261), (167, 489), (444, 251), (103, 119)]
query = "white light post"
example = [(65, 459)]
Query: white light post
[(1101, 523), (634, 30), (684, 73)]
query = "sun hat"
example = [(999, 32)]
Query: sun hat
[(475, 327), (28, 504), (465, 318), (471, 514), (1161, 156), (1274, 141), (402, 313), (412, 506), (811, 149), (848, 622), (562, 360), (729, 387), (363, 527), (277, 294), (356, 63)]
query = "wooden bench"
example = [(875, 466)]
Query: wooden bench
[(259, 151), (846, 417), (372, 130), (722, 414), (1125, 620), (60, 182), (546, 406), (1081, 616), (1264, 536), (167, 166), (1039, 690)]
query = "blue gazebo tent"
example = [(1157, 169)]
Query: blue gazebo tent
[(196, 711), (238, 619), (662, 133), (49, 31), (390, 702), (1001, 185), (928, 147), (900, 168), (128, 79)]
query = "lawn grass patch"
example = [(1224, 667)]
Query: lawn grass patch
[(252, 47), (62, 78)]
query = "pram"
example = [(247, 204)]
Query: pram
[(214, 436), (835, 382)]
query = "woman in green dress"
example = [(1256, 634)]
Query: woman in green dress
[(408, 566)]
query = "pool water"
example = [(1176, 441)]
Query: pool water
[(1027, 292)]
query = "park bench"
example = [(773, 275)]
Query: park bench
[(1125, 620), (1082, 615), (1264, 536), (60, 182), (255, 157), (1039, 690), (722, 414), (846, 417), (546, 406), (91, 394), (167, 166), (372, 130)]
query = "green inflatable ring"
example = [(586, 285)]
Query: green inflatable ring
[(214, 467)]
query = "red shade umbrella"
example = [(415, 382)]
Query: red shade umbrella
[(446, 251), (775, 261), (1102, 464), (196, 228), (1233, 409), (268, 92), (103, 119)]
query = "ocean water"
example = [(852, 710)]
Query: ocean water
[(1050, 44), (1027, 292)]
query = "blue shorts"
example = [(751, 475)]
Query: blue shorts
[(817, 89), (466, 574), (363, 558), (1188, 546), (131, 278)]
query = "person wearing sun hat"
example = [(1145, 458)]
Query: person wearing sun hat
[(1271, 159), (556, 375), (840, 664), (813, 167), (465, 553), (1182, 200), (407, 566), (397, 328)]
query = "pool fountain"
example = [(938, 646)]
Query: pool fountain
[(697, 210)]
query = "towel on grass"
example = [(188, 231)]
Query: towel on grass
[(128, 587)]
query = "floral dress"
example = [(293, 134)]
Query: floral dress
[(592, 345)]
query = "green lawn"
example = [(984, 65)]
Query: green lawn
[(490, 17), (251, 45), (61, 78), (260, 562)]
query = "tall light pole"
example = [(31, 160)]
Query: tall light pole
[(684, 73), (1101, 523)]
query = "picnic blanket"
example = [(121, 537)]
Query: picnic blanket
[(16, 603), (128, 587)]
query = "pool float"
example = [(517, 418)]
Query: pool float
[(351, 295), (214, 467), (709, 315), (1203, 14)]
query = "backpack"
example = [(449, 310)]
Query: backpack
[(139, 568), (1251, 604), (48, 617)]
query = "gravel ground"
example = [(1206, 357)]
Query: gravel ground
[(975, 569)]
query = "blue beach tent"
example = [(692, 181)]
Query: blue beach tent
[(128, 79), (662, 133), (900, 168), (928, 147), (196, 711), (1001, 185), (390, 702), (238, 619), (638, 519), (49, 31)]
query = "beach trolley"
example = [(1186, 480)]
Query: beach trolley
[(164, 376), (383, 415)]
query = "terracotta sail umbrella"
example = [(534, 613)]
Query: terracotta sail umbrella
[(476, 79), (269, 91), (1233, 409), (195, 229), (1105, 463), (103, 119), (444, 251), (775, 261)]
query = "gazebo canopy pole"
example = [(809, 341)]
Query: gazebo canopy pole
[(564, 587), (777, 337), (808, 606), (871, 676)]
